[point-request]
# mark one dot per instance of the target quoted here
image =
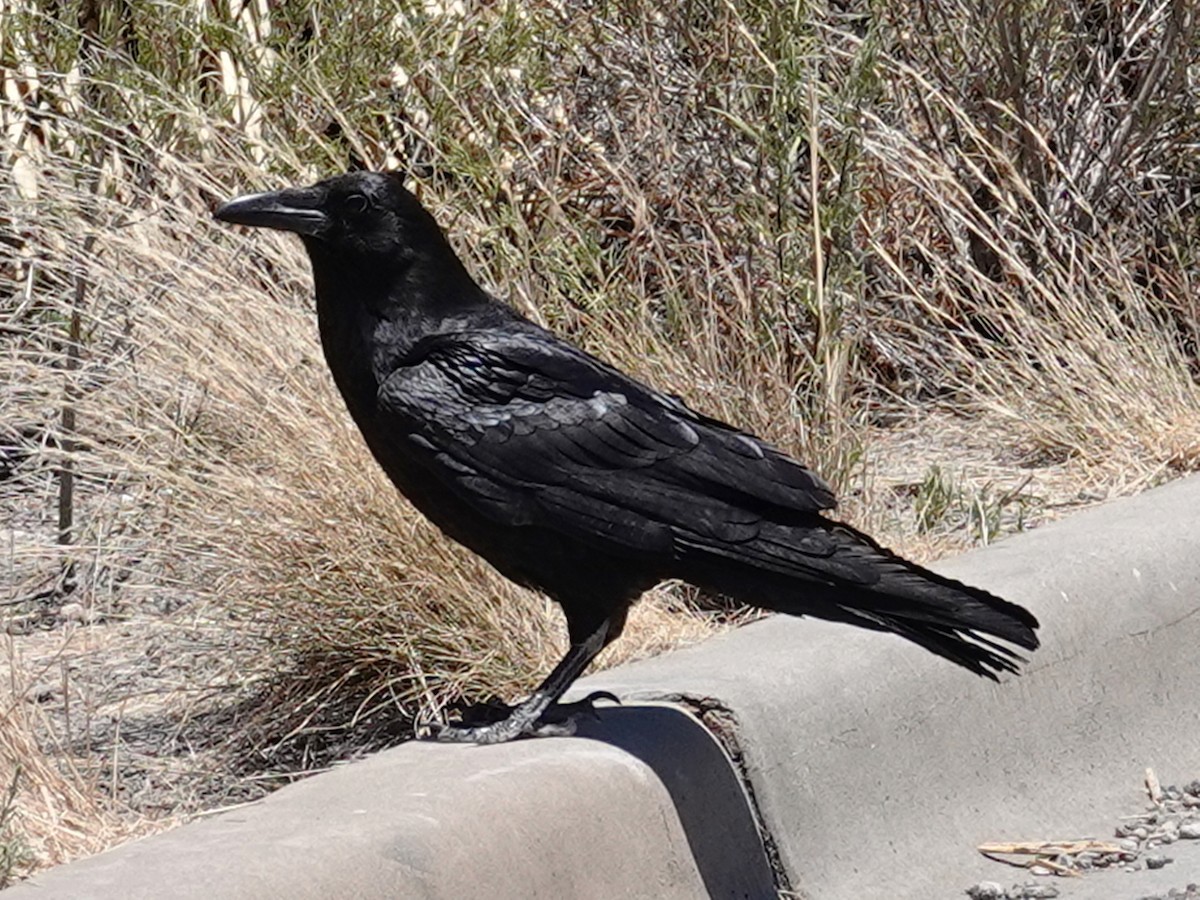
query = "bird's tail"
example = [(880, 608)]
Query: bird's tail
[(835, 572)]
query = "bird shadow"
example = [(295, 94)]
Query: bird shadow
[(705, 789)]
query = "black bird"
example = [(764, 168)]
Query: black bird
[(569, 476)]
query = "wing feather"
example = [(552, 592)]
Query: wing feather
[(533, 431)]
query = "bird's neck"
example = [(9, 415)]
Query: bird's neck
[(371, 315)]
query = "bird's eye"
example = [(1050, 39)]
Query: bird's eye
[(356, 204)]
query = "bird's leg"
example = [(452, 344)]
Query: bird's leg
[(539, 714)]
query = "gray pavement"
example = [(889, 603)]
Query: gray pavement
[(876, 768)]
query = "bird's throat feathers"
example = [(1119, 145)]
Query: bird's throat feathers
[(411, 289), (371, 312)]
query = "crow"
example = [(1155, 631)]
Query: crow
[(569, 476)]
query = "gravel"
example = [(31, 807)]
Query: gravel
[(1173, 815), (1191, 892), (992, 890)]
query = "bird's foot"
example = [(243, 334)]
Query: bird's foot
[(558, 719)]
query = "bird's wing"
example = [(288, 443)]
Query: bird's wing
[(530, 430)]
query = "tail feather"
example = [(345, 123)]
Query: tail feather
[(831, 571), (963, 647)]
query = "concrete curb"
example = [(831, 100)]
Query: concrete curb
[(875, 768), (879, 768), (652, 810)]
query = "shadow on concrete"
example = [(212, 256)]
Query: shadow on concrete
[(703, 785)]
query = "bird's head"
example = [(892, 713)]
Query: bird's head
[(358, 216)]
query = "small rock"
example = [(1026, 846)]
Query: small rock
[(1141, 833), (1156, 862), (1040, 870), (1190, 831), (22, 625), (72, 612), (986, 890), (1193, 788), (43, 692), (1033, 892), (1129, 845)]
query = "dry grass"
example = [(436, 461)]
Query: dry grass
[(1074, 309), (50, 810), (891, 254)]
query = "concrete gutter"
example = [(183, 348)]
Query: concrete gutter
[(874, 768)]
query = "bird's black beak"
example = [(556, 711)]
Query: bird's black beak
[(295, 209)]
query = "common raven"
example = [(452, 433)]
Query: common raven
[(569, 476)]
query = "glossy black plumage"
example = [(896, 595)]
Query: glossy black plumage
[(568, 475)]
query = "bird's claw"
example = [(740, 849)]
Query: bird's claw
[(497, 732), (558, 720)]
